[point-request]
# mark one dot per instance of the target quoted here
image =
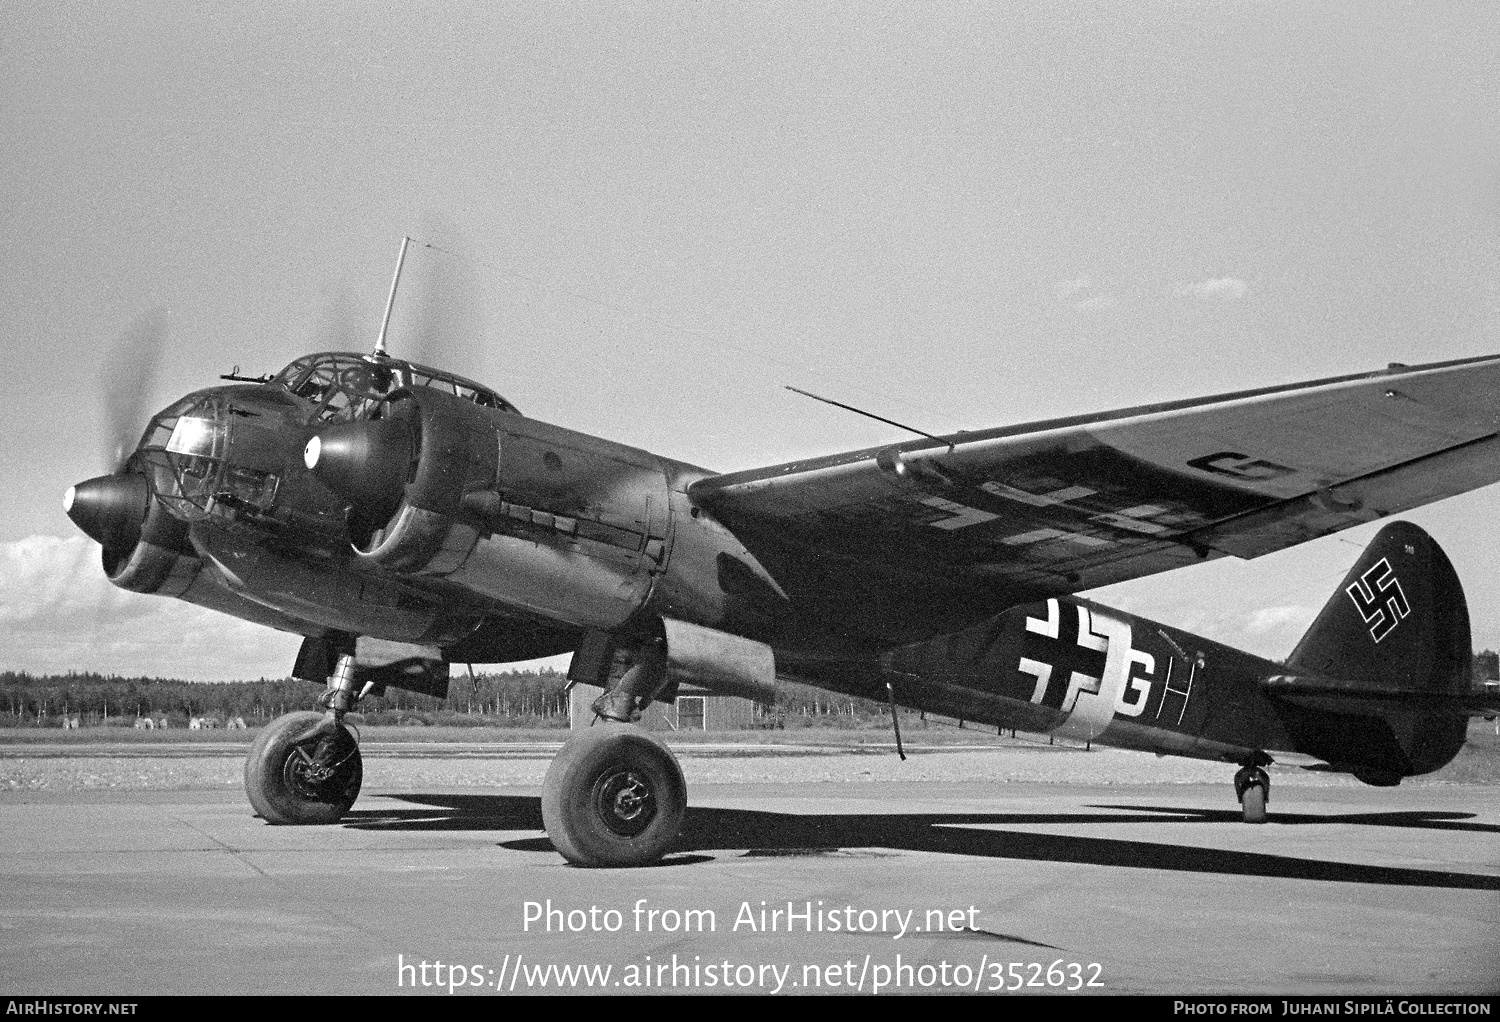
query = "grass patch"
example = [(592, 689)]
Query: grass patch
[(503, 735), (1478, 762)]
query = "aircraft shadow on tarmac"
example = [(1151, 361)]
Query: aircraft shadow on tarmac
[(767, 834)]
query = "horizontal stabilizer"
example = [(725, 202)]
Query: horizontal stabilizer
[(1362, 697)]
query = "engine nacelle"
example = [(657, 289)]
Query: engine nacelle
[(162, 563), (694, 655), (553, 524), (720, 662), (377, 663)]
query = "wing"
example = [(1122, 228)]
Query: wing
[(1055, 507)]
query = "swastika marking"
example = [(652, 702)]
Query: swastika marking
[(1378, 597)]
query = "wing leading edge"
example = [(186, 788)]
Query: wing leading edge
[(1060, 506)]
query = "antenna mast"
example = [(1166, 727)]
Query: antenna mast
[(390, 304), (870, 415)]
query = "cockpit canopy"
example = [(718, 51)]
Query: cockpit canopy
[(212, 453), (347, 386)]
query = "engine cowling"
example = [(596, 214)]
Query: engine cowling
[(145, 548), (404, 475)]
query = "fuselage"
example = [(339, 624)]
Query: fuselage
[(530, 527), (1082, 671)]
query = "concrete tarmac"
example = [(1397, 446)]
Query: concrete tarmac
[(877, 887)]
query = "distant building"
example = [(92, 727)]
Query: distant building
[(694, 709), (1486, 666)]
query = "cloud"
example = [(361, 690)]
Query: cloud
[(1273, 619), (1216, 289), (1269, 632), (59, 613), (41, 574), (1100, 301), (1072, 286), (1262, 607), (1080, 293)]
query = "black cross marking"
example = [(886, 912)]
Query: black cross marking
[(1063, 653)]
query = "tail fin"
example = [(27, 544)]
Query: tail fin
[(1398, 620)]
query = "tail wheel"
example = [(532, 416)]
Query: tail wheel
[(1253, 786), (614, 796), (301, 770), (1254, 804)]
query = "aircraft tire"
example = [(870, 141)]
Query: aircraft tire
[(277, 777), (1253, 802), (614, 796)]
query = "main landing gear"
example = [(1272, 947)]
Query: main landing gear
[(615, 795), (305, 767), (1252, 786)]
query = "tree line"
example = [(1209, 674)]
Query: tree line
[(521, 698)]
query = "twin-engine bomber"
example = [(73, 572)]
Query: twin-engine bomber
[(402, 519)]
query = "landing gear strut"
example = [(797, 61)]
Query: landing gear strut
[(1252, 786), (305, 767), (633, 693)]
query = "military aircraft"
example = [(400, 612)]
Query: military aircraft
[(402, 519)]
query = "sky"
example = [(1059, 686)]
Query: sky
[(650, 218)]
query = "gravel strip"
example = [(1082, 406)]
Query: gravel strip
[(1101, 766)]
